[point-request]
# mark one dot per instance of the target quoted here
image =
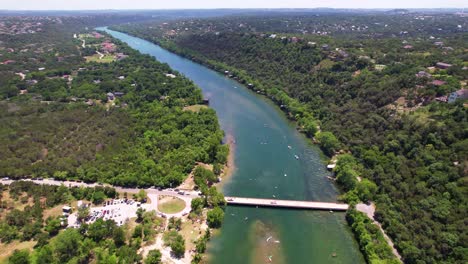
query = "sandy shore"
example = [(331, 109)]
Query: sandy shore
[(230, 167)]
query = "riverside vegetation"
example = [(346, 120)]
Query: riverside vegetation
[(120, 122), (354, 83)]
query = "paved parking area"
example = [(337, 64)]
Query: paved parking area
[(118, 210)]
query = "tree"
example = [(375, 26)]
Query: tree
[(328, 142), (175, 241), (197, 205), (83, 212), (309, 126), (65, 244), (154, 257), (44, 255), (19, 257), (215, 217), (140, 211), (178, 246), (119, 236), (366, 190), (141, 195), (53, 226), (214, 198), (175, 223), (98, 197), (101, 229)]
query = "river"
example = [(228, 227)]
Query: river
[(265, 168)]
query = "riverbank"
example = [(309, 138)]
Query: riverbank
[(280, 98), (229, 168), (272, 160)]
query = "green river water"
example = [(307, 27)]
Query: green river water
[(265, 168)]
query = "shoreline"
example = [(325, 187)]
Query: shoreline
[(229, 167)]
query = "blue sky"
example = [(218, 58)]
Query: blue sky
[(198, 4)]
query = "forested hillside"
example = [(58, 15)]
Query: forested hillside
[(84, 106), (377, 89)]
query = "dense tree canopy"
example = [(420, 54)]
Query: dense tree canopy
[(360, 82)]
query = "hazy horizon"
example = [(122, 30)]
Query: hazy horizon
[(91, 5)]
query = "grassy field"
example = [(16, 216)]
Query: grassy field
[(195, 108), (96, 58), (7, 249), (170, 204)]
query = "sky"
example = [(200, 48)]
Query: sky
[(206, 4)]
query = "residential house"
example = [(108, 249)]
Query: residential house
[(423, 74), (110, 96), (443, 65), (438, 82), (460, 94)]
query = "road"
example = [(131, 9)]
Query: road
[(187, 194)]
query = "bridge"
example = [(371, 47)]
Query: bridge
[(286, 204)]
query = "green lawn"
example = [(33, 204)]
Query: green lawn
[(170, 204), (195, 108), (96, 58)]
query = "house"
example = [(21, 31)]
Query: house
[(438, 82), (8, 62), (441, 99), (407, 47), (120, 56), (380, 67), (439, 43), (325, 47), (443, 65), (423, 74), (460, 94), (110, 96), (343, 53), (23, 91)]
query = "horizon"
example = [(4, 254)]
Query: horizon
[(148, 5)]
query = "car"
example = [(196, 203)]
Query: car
[(176, 190)]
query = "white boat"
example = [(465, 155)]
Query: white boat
[(289, 147), (296, 156)]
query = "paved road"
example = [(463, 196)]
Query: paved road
[(187, 194)]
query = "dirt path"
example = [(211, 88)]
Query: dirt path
[(369, 210)]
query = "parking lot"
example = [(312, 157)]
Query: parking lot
[(119, 210)]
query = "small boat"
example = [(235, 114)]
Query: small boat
[(246, 218), (289, 147), (296, 156), (277, 241), (268, 239), (285, 175)]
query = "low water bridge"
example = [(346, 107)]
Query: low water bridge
[(286, 203)]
